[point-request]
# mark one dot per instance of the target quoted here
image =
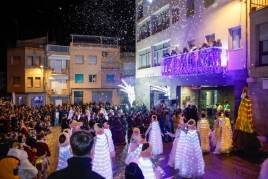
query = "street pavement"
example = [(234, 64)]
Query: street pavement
[(236, 165)]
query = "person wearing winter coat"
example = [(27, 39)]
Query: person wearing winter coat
[(25, 170)]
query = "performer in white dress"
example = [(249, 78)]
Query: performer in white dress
[(108, 133), (155, 136), (101, 159), (135, 155), (134, 140), (64, 151)]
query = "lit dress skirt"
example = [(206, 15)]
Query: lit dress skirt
[(172, 155), (147, 168), (193, 164), (155, 139), (134, 156), (110, 142), (64, 155), (101, 160), (179, 148)]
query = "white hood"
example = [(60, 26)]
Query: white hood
[(19, 153)]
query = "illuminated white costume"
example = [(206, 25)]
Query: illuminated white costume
[(155, 136), (64, 151), (101, 160), (135, 155), (108, 133), (134, 140), (192, 163)]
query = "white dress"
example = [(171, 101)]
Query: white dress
[(64, 155), (147, 168), (110, 142), (155, 138), (133, 143), (172, 155), (101, 160), (134, 156), (181, 142), (193, 164)]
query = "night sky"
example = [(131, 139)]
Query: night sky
[(60, 18)]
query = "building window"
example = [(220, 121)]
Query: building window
[(78, 97), (175, 15), (79, 59), (190, 8), (160, 21), (29, 61), (263, 44), (145, 58), (92, 78), (16, 82), (159, 51), (92, 60), (37, 61), (144, 30), (210, 38), (110, 60), (16, 61), (109, 78), (208, 3), (235, 34), (139, 11), (37, 82), (29, 82), (79, 78)]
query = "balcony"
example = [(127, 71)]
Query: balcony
[(206, 61), (57, 48), (98, 41), (256, 5), (59, 72), (107, 65)]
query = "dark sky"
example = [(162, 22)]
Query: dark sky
[(60, 18)]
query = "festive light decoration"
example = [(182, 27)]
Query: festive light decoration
[(134, 156), (64, 155), (110, 142), (101, 160), (129, 90), (204, 131), (147, 168), (191, 163), (206, 61), (155, 138), (164, 89)]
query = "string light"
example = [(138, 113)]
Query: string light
[(64, 155), (206, 61), (155, 138), (110, 142), (101, 160), (147, 168), (134, 156), (204, 131)]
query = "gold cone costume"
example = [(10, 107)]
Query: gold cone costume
[(204, 131)]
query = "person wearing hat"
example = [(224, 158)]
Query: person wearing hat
[(134, 156), (192, 162), (101, 159), (155, 136), (108, 133), (64, 145), (134, 140), (203, 129)]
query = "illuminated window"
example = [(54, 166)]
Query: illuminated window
[(29, 82), (37, 82), (92, 78), (79, 78)]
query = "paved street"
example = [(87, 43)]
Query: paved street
[(225, 166)]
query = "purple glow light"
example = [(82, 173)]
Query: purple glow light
[(206, 61)]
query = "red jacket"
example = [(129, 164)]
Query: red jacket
[(42, 149)]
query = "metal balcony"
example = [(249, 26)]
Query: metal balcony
[(57, 48), (256, 5), (99, 41), (207, 61)]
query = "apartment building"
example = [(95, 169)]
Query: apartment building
[(94, 69), (171, 66), (3, 81), (258, 67), (57, 74), (25, 72)]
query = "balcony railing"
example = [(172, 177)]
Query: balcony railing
[(89, 40), (256, 5), (57, 48), (206, 61), (59, 72), (106, 65)]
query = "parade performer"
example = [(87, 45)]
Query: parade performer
[(193, 165), (134, 140), (108, 133), (155, 136), (244, 137), (223, 134), (64, 151), (101, 160), (204, 132), (148, 168), (182, 127), (135, 155)]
